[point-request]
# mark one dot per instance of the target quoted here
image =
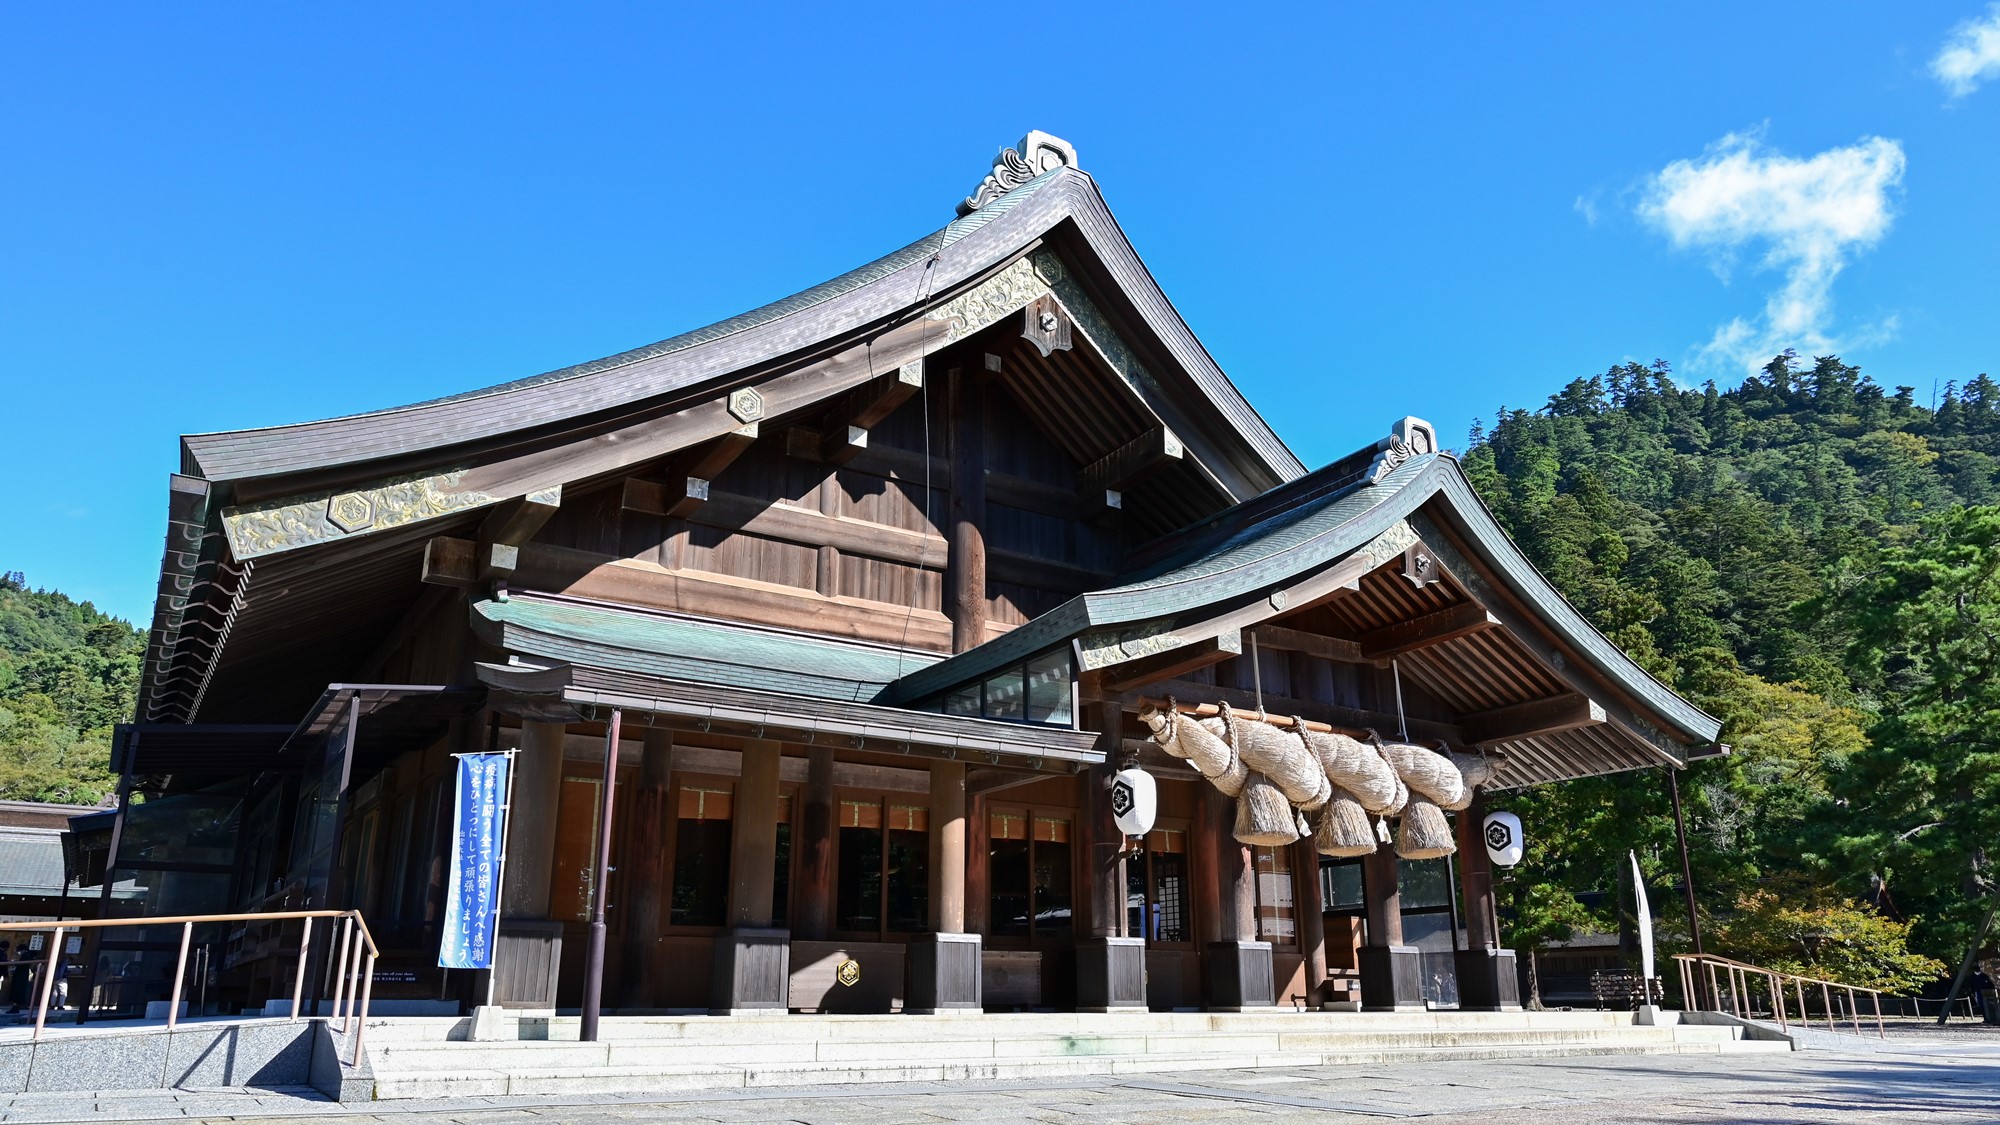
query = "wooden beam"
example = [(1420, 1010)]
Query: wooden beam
[(1342, 718), (987, 781), (678, 498), (708, 461), (1280, 639), (1127, 465), (1423, 632), (1133, 674), (845, 433), (516, 521), (1533, 718), (451, 562)]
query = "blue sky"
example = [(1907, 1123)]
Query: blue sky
[(218, 216)]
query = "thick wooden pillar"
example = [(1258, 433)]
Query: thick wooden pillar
[(1382, 898), (754, 837), (1312, 918), (965, 564), (1391, 972), (1487, 978), (1236, 967), (1110, 966), (648, 881), (978, 880), (948, 846), (1475, 874), (752, 960), (531, 823), (812, 896)]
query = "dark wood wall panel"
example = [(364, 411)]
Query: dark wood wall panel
[(895, 584), (1011, 604), (752, 556)]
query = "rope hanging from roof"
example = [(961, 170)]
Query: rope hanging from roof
[(1293, 778)]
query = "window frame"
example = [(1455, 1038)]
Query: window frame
[(884, 800)]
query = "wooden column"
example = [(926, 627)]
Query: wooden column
[(1312, 918), (648, 880), (531, 825), (978, 882), (754, 837), (812, 895), (947, 884), (1384, 901), (1104, 842), (965, 564), (1475, 874)]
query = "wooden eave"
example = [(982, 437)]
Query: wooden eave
[(1241, 573)]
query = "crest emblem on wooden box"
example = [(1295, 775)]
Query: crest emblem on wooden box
[(849, 973)]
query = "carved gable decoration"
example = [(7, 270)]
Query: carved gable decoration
[(1047, 326), (1411, 437), (1037, 153)]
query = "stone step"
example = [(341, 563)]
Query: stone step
[(556, 1080), (996, 1044), (975, 1025)]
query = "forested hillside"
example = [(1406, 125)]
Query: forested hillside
[(1807, 557), (67, 674)]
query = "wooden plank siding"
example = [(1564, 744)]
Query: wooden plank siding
[(855, 550)]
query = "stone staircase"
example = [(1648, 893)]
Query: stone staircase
[(429, 1058)]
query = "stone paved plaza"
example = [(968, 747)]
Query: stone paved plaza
[(1930, 1083)]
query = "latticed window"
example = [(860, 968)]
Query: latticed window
[(1028, 863)]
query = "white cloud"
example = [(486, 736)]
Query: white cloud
[(1809, 216), (1587, 207), (1971, 55)]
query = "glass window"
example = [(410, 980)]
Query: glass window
[(1340, 885), (908, 872), (884, 870), (1049, 689), (1423, 883), (1028, 871), (1052, 876), (701, 857), (1277, 920), (1007, 696), (1156, 888), (963, 702)]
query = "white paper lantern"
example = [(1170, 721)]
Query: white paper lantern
[(1503, 838), (1134, 801)]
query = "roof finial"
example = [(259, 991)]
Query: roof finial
[(1408, 438), (1037, 153)]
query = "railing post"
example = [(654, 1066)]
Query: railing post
[(354, 987), (1879, 1032), (180, 974), (367, 989), (48, 982), (340, 967), (299, 980), (1853, 1010), (1826, 999)]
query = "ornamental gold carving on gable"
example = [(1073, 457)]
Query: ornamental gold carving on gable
[(1003, 294), (1102, 650), (1094, 326), (303, 521)]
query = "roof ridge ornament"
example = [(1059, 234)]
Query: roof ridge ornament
[(1408, 438), (1037, 153)]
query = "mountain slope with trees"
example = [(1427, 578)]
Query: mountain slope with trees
[(68, 673), (1812, 558)]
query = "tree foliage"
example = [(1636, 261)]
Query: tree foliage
[(68, 673), (1804, 556)]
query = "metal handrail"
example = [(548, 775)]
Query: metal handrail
[(354, 983), (1694, 966)]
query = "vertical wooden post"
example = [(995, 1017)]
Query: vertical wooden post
[(978, 882), (1236, 873), (948, 846), (1312, 918), (812, 901), (531, 825), (965, 563), (754, 837), (827, 579), (648, 881), (1475, 876), (600, 886), (1385, 903), (1104, 842)]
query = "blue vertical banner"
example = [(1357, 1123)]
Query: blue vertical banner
[(478, 827)]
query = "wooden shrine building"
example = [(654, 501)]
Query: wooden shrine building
[(879, 584)]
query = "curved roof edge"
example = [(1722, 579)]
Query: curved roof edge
[(849, 306), (1300, 540)]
